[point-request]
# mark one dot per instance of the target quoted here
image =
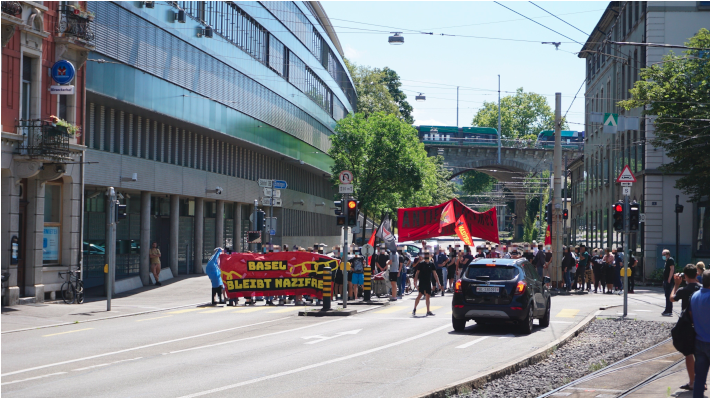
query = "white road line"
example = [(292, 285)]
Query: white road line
[(139, 347), (251, 338), (33, 378), (643, 310), (91, 367), (470, 343), (317, 365)]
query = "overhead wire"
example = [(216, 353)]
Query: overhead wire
[(546, 27), (558, 18)]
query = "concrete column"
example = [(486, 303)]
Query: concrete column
[(219, 224), (34, 236), (174, 232), (145, 238), (520, 210), (199, 229), (238, 227)]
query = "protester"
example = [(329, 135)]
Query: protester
[(609, 271), (215, 274), (567, 265), (598, 271), (700, 308), (154, 255), (357, 262), (683, 295), (405, 262), (442, 272), (632, 269), (394, 275), (528, 254), (582, 266), (701, 269), (668, 270), (425, 270), (618, 264), (539, 261), (479, 252), (451, 267), (548, 264)]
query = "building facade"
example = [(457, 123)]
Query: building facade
[(42, 163), (611, 71), (187, 106)]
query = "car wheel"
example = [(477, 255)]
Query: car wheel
[(526, 325), (545, 321), (459, 324)]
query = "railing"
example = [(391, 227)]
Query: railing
[(13, 8), (449, 140), (43, 139), (75, 22)]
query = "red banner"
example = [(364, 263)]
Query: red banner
[(274, 274), (423, 222), (463, 232)]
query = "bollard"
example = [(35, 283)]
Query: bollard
[(327, 288), (367, 285)]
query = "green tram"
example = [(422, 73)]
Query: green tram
[(446, 135), (570, 139)]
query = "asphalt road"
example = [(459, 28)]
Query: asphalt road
[(271, 352)]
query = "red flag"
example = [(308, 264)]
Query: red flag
[(548, 237), (371, 242), (463, 232), (447, 215)]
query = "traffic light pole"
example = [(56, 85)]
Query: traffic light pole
[(253, 223), (557, 193), (110, 245), (344, 259), (625, 257)]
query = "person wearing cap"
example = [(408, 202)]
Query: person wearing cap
[(426, 270), (514, 253)]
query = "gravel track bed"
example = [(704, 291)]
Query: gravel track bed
[(604, 342)]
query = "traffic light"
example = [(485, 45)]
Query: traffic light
[(341, 219), (120, 211), (634, 216), (678, 208), (565, 214), (352, 212), (260, 216), (548, 213), (618, 215)]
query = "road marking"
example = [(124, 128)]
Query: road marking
[(150, 319), (91, 367), (391, 309), (470, 343), (320, 364), (248, 310), (621, 313), (324, 338), (140, 347), (220, 309), (567, 313), (33, 378), (643, 310), (253, 337), (186, 310), (281, 311), (71, 331)]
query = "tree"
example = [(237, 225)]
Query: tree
[(523, 115), (391, 79), (390, 166), (476, 182), (373, 94), (677, 93)]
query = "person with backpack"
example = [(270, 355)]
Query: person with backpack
[(700, 308), (357, 262), (683, 294)]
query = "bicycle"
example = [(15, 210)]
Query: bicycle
[(73, 289)]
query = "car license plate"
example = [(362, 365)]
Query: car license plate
[(487, 289)]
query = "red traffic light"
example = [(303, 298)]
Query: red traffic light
[(352, 204), (618, 208)]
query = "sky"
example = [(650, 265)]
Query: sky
[(436, 64)]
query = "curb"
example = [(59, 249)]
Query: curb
[(103, 319), (321, 313), (479, 380)]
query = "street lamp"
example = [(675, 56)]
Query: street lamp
[(396, 39), (421, 97)]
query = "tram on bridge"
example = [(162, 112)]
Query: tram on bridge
[(570, 139), (487, 136)]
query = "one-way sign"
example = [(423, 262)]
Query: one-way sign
[(626, 175)]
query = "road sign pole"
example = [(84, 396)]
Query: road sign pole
[(111, 245), (344, 259), (271, 217), (557, 194), (624, 256), (253, 224)]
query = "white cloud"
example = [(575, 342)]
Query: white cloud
[(351, 53)]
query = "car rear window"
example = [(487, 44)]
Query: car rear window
[(498, 273)]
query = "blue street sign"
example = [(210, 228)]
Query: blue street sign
[(272, 232), (280, 184), (63, 72)]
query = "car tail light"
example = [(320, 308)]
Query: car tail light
[(458, 306), (457, 286), (520, 288), (516, 308)]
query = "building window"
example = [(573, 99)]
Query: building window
[(51, 242), (26, 87)]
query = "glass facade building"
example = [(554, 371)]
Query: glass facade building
[(194, 96)]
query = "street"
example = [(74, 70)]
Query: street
[(266, 351)]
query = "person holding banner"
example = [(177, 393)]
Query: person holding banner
[(215, 274)]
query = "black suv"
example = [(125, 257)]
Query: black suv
[(501, 290)]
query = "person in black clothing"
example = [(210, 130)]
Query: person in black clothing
[(632, 267), (528, 255), (597, 270), (451, 268), (567, 266), (668, 281), (690, 273), (425, 270)]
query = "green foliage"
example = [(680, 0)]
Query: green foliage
[(475, 182), (391, 80), (390, 166), (373, 94), (597, 365), (523, 115), (677, 91)]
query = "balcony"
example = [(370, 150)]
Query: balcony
[(43, 140), (76, 23), (13, 8)]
